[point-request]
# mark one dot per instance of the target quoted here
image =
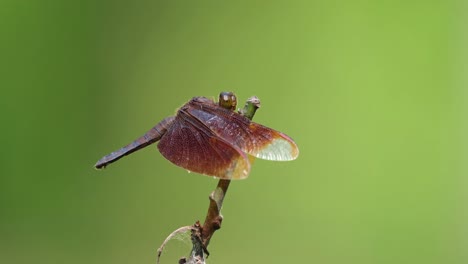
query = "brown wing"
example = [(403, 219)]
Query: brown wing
[(188, 143), (252, 138)]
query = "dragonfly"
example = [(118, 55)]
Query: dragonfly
[(212, 139)]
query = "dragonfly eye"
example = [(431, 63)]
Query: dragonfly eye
[(228, 100)]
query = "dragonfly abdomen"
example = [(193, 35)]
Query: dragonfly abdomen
[(150, 137)]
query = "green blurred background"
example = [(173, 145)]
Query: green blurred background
[(373, 92)]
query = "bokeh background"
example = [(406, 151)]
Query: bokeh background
[(373, 92)]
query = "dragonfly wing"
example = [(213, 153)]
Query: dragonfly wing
[(252, 138), (269, 144), (191, 145)]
